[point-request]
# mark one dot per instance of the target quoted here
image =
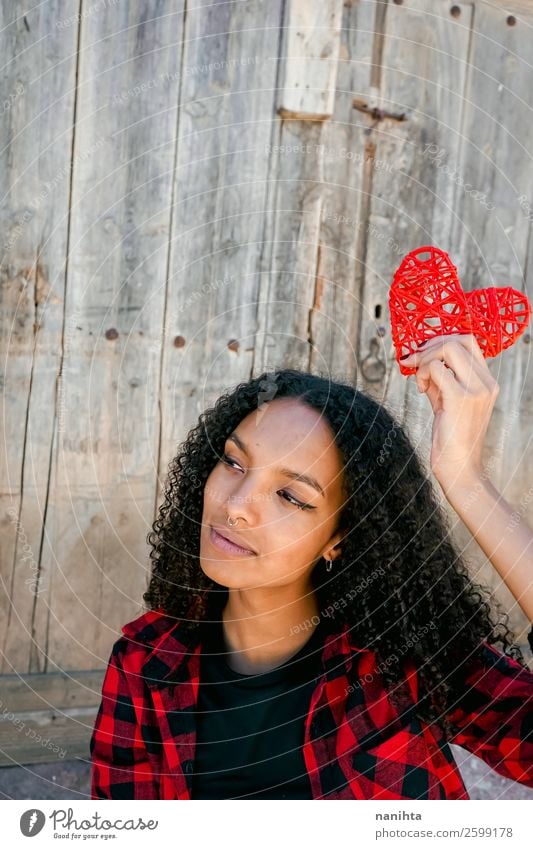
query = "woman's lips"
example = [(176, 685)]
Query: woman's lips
[(225, 545)]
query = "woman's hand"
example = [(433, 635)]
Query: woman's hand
[(452, 371)]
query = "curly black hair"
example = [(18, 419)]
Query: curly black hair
[(400, 583)]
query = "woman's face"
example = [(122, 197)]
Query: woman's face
[(252, 484)]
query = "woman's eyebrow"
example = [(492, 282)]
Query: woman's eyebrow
[(283, 471)]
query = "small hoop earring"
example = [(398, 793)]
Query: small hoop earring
[(329, 565)]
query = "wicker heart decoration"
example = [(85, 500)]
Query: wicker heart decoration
[(426, 300)]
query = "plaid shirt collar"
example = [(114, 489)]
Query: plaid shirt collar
[(172, 647)]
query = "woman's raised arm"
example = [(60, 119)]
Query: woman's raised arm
[(453, 373)]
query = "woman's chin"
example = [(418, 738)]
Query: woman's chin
[(228, 573)]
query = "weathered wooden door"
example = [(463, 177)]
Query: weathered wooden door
[(187, 199)]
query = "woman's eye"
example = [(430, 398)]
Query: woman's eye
[(286, 495), (228, 461), (295, 501)]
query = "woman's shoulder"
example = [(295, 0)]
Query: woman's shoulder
[(150, 626), (144, 636)]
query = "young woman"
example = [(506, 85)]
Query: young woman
[(312, 630)]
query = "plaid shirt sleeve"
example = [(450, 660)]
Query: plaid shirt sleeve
[(495, 714), (120, 764)]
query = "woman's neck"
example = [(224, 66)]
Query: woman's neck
[(262, 631)]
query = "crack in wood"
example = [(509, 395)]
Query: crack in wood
[(317, 296)]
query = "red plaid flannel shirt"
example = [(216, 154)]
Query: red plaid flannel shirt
[(357, 745)]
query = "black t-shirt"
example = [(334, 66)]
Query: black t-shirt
[(250, 728)]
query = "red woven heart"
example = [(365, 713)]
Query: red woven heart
[(426, 300)]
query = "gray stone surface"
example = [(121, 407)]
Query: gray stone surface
[(62, 780), (71, 780), (482, 782)]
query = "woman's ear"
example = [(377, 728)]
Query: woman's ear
[(334, 549)]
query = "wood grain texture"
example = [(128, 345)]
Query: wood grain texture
[(102, 481), (226, 116), (306, 254), (47, 717), (188, 199), (335, 313), (491, 242), (312, 34), (423, 73), (36, 136)]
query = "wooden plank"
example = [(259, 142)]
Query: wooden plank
[(46, 736), (227, 110), (103, 484), (420, 101), (51, 691), (37, 83), (503, 7), (312, 35), (291, 248), (48, 717), (334, 315), (491, 246), (308, 314)]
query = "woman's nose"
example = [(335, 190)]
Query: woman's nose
[(247, 495)]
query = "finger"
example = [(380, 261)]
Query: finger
[(470, 343), (459, 356), (460, 363), (424, 379), (428, 345), (442, 377), (433, 393), (468, 340)]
